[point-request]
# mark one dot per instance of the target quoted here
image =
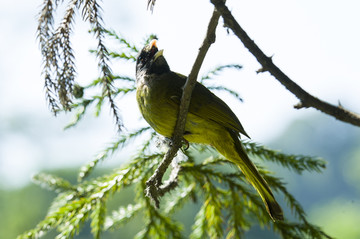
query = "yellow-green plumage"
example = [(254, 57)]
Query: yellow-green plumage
[(209, 121)]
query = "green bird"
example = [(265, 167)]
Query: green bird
[(209, 121)]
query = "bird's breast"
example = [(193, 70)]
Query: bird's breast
[(155, 106)]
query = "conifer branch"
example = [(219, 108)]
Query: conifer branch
[(91, 12), (297, 163), (53, 183), (59, 60), (117, 145)]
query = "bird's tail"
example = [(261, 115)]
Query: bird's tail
[(241, 159)]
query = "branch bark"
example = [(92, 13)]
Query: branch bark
[(154, 189), (306, 99)]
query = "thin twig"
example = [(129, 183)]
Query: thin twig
[(153, 189), (306, 100)]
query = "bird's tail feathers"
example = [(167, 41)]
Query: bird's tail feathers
[(253, 176)]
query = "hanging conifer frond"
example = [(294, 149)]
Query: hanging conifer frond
[(59, 69)]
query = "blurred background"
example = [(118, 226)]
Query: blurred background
[(314, 42)]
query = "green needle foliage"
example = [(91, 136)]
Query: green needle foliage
[(229, 206)]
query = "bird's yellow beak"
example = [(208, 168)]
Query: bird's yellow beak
[(153, 47), (153, 44)]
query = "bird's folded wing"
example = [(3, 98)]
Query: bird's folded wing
[(206, 105)]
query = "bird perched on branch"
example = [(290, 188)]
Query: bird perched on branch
[(209, 121)]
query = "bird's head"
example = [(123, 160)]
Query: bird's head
[(151, 60)]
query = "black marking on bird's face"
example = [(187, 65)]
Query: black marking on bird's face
[(146, 57), (147, 63)]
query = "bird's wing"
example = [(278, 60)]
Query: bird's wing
[(207, 105)]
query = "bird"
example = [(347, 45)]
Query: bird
[(209, 121)]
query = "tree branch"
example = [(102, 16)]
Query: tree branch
[(153, 190), (306, 100)]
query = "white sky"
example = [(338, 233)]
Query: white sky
[(316, 43)]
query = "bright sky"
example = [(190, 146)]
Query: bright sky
[(316, 43)]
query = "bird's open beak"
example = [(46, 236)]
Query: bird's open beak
[(154, 48), (153, 44)]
